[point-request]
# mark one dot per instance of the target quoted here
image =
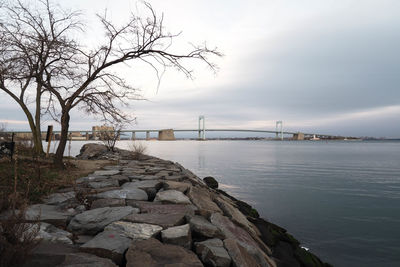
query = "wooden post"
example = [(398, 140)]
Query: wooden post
[(49, 136)]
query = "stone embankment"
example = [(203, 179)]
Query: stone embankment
[(153, 212)]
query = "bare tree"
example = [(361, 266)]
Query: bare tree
[(31, 40), (109, 135), (77, 76)]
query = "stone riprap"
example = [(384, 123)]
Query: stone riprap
[(153, 212)]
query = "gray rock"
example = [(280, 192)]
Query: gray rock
[(108, 244), (131, 193), (122, 179), (135, 230), (105, 172), (163, 220), (202, 199), (178, 235), (85, 260), (58, 198), (104, 183), (213, 253), (172, 196), (51, 233), (211, 182), (239, 255), (156, 207), (179, 186), (152, 252), (49, 213), (146, 184), (49, 254), (204, 228), (82, 239), (107, 202), (94, 221)]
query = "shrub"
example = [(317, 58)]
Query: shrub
[(138, 149)]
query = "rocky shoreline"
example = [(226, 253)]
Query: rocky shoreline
[(146, 211)]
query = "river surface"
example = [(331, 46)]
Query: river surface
[(339, 199)]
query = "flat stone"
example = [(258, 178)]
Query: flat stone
[(91, 178), (201, 226), (49, 254), (230, 230), (178, 235), (236, 216), (156, 207), (239, 255), (163, 220), (105, 172), (85, 260), (152, 252), (94, 221), (122, 179), (172, 196), (146, 184), (108, 244), (51, 233), (179, 186), (135, 230), (213, 253), (58, 198), (49, 213), (202, 199), (107, 202), (82, 239), (104, 183), (131, 193)]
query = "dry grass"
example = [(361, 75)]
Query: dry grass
[(138, 149)]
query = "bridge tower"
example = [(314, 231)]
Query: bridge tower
[(202, 127), (279, 130)]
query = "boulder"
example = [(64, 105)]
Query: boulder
[(135, 230), (131, 193), (122, 179), (105, 172), (178, 235), (201, 227), (211, 182), (202, 199), (94, 221), (230, 230), (107, 202), (172, 196), (108, 244), (85, 260), (104, 183), (58, 198), (213, 253), (163, 220), (91, 151), (154, 207), (49, 213), (179, 186), (239, 254), (152, 252), (236, 216), (50, 233), (48, 254)]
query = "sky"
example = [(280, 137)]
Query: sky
[(319, 66)]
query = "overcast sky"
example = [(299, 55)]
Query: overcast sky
[(325, 66)]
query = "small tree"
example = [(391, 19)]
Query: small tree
[(110, 135), (72, 75)]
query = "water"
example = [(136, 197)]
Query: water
[(340, 199)]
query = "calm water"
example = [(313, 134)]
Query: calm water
[(340, 199)]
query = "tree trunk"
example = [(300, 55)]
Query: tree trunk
[(58, 159)]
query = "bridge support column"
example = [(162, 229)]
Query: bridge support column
[(133, 136), (298, 136), (279, 130), (87, 136), (166, 135), (202, 128), (147, 135)]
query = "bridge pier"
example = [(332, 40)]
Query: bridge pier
[(147, 135), (133, 136), (166, 135), (202, 128), (298, 136)]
